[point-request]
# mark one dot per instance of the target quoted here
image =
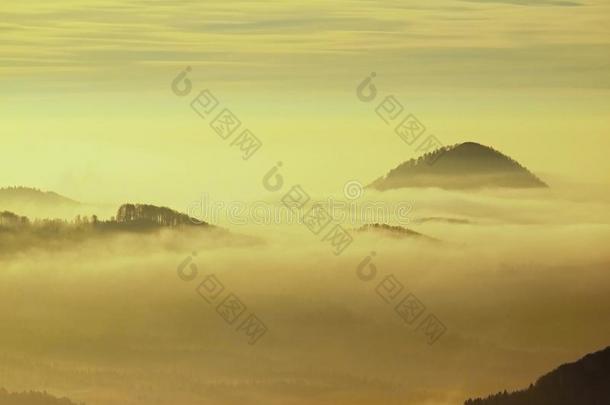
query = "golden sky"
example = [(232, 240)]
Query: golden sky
[(87, 109)]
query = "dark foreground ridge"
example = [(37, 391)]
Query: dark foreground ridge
[(462, 166), (586, 382)]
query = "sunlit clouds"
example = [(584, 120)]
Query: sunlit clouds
[(65, 41)]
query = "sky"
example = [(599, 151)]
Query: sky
[(88, 111)]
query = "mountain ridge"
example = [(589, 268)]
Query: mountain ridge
[(17, 192)]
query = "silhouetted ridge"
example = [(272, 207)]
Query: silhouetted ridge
[(465, 165), (31, 398), (129, 217), (394, 231), (19, 232), (446, 220), (586, 382)]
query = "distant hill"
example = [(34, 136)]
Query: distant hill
[(36, 203), (397, 232), (462, 166), (12, 194), (31, 398), (586, 382)]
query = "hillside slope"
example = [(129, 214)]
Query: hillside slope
[(586, 382)]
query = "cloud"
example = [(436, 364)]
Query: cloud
[(63, 44)]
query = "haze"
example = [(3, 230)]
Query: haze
[(518, 277)]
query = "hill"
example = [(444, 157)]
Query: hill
[(462, 166), (36, 203), (130, 217), (586, 381), (20, 232), (134, 216)]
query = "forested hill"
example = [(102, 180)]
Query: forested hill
[(463, 166)]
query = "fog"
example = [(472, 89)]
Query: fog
[(521, 288)]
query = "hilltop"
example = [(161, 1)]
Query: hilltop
[(462, 166)]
